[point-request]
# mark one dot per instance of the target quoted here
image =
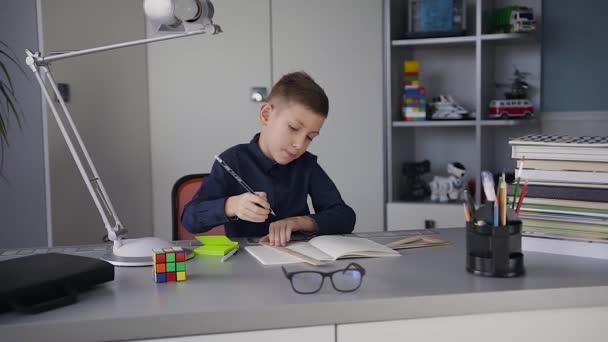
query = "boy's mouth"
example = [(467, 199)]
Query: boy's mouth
[(291, 155)]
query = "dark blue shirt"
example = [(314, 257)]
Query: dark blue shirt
[(287, 188)]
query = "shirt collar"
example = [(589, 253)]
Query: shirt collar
[(264, 161)]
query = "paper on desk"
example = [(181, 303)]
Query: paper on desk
[(215, 245), (417, 242)]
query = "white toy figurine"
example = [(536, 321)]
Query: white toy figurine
[(450, 187)]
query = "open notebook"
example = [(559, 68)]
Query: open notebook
[(320, 249)]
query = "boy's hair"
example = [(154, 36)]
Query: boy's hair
[(300, 88)]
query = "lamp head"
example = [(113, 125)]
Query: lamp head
[(181, 15)]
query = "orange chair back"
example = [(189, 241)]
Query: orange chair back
[(183, 191)]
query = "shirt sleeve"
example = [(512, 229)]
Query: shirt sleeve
[(206, 209), (332, 215)]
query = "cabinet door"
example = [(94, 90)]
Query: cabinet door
[(339, 43), (400, 216), (565, 325), (108, 103), (199, 96), (317, 334)]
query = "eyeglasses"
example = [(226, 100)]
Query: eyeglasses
[(344, 280)]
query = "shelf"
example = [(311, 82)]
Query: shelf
[(435, 41), (515, 122), (507, 36), (434, 123)]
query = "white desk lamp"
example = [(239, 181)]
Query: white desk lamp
[(188, 17)]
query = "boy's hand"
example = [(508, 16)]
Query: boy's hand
[(279, 232), (248, 207)]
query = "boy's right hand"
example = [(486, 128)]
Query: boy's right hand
[(248, 207)]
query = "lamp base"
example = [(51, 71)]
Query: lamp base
[(137, 252)]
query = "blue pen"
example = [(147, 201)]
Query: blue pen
[(238, 179)]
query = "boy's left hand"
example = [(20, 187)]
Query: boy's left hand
[(279, 232)]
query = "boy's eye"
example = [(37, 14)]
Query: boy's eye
[(292, 128), (309, 138)]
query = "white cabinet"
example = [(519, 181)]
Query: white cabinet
[(564, 325), (317, 334), (402, 216)]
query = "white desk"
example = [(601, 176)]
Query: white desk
[(242, 295)]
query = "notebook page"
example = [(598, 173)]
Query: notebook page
[(269, 256), (309, 250), (344, 246)]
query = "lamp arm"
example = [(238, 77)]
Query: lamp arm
[(55, 56), (40, 64), (90, 176)]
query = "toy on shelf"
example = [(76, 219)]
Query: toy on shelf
[(516, 104), (436, 18), (414, 188), (414, 96), (451, 187), (512, 19), (169, 264), (443, 107)]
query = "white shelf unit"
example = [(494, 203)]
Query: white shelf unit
[(467, 68)]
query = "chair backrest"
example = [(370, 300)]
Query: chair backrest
[(183, 191)]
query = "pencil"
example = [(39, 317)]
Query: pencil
[(467, 215), (503, 203), (524, 190), (238, 179)]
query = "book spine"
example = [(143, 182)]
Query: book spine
[(568, 193)]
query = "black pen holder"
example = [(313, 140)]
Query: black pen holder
[(494, 251)]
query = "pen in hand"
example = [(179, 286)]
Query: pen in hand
[(238, 179)]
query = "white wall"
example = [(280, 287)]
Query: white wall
[(199, 96), (199, 104), (22, 190), (575, 123), (339, 42), (110, 108)]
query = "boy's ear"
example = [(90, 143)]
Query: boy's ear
[(265, 110)]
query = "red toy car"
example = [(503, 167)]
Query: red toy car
[(513, 108)]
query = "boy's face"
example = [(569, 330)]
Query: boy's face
[(287, 130)]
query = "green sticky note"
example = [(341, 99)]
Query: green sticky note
[(215, 245), (180, 266), (171, 267)]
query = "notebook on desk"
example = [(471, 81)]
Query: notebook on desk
[(320, 249)]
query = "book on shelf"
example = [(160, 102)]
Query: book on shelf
[(560, 148), (567, 193), (570, 184), (565, 203), (562, 217), (572, 227), (593, 213), (558, 165), (586, 177)]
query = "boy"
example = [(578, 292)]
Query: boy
[(277, 163)]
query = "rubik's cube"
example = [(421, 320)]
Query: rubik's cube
[(169, 264), (414, 96)]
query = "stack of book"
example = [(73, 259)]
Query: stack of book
[(567, 191)]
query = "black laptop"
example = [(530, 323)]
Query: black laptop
[(41, 282)]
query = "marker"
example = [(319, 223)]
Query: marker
[(238, 179)]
